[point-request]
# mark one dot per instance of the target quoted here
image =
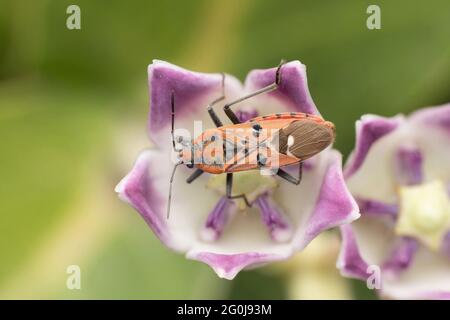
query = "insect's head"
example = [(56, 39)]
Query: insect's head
[(185, 149)]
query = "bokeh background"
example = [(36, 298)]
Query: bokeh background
[(73, 110)]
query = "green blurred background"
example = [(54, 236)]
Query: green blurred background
[(73, 110)]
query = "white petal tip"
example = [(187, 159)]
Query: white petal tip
[(354, 215), (282, 234), (209, 235), (221, 273)]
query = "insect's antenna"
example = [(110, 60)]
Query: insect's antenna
[(170, 187), (172, 102)]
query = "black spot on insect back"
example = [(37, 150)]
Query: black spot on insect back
[(257, 127)]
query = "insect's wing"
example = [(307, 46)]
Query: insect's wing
[(305, 138)]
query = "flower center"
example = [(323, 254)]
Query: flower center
[(251, 183), (424, 212)]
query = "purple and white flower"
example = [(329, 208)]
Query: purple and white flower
[(399, 174), (204, 224)]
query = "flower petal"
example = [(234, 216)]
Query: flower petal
[(368, 130), (138, 189), (349, 261), (408, 165), (402, 257), (292, 93), (146, 189), (279, 228), (335, 205), (245, 115), (370, 171), (438, 117), (193, 91), (428, 277), (431, 130), (375, 238), (446, 245), (228, 265), (217, 220), (374, 207)]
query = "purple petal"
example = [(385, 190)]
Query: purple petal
[(277, 224), (438, 117), (245, 115), (446, 245), (137, 188), (375, 207), (436, 295), (402, 256), (228, 265), (217, 220), (293, 90), (427, 277), (335, 205), (408, 166), (350, 261), (368, 130), (193, 91)]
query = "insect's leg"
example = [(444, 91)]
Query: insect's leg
[(232, 116), (283, 174), (197, 173), (229, 190), (211, 111)]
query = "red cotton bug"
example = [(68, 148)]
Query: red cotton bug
[(268, 142)]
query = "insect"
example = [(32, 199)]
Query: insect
[(271, 142)]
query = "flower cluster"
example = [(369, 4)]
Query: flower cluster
[(399, 174), (398, 177)]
